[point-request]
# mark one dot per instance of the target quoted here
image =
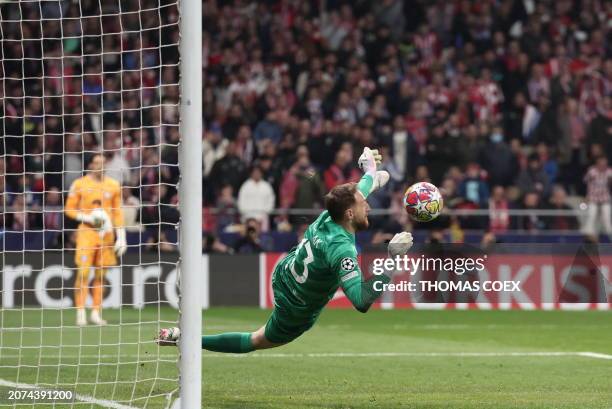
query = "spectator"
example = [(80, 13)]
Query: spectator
[(547, 131), (499, 215), (558, 201), (572, 134), (301, 187), (598, 179), (256, 198), (498, 160), (250, 242), (440, 153), (19, 217), (116, 165), (213, 149), (534, 179), (53, 210), (470, 147), (269, 128), (448, 189), (227, 210), (229, 170), (404, 148), (531, 221), (600, 129), (549, 164), (342, 170), (473, 188), (73, 160), (131, 210)]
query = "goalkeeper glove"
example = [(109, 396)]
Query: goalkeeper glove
[(103, 221), (368, 161), (120, 241), (94, 218), (400, 244)]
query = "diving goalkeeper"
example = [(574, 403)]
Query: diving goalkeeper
[(94, 201), (308, 276)]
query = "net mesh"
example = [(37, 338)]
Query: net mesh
[(80, 78)]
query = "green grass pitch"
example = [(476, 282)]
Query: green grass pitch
[(383, 359)]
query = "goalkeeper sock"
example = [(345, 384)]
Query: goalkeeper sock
[(80, 287), (97, 289), (233, 342)]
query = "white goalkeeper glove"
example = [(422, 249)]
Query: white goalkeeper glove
[(120, 241), (368, 161), (102, 221), (94, 219), (400, 244)]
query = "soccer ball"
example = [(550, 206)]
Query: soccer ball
[(423, 202)]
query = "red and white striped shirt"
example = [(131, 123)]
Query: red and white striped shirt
[(598, 185)]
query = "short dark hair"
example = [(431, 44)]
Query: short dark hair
[(88, 157), (339, 199)]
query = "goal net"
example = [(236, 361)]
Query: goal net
[(88, 85)]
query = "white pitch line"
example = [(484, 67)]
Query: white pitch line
[(336, 355), (83, 398), (392, 354), (596, 355)]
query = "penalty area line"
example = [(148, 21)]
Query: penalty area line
[(83, 398)]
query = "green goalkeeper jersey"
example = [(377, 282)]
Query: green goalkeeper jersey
[(309, 275)]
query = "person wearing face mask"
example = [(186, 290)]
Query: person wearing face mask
[(498, 160)]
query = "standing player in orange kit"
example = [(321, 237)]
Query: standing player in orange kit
[(94, 200)]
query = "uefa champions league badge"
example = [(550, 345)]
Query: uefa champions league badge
[(348, 264)]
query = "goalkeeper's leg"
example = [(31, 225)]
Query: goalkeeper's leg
[(230, 342), (80, 293), (238, 342), (97, 292), (84, 259), (106, 259), (280, 329)]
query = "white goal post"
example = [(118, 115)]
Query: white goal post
[(190, 160), (115, 84)]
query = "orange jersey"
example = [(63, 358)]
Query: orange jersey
[(86, 191)]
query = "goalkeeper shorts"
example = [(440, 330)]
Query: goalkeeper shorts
[(287, 322), (92, 251), (283, 327)]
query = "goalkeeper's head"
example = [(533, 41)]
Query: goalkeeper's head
[(347, 207), (95, 165)]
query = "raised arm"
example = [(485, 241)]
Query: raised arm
[(372, 179)]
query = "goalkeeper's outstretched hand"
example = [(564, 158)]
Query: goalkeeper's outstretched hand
[(369, 160), (400, 244)]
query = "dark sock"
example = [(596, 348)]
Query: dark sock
[(233, 342)]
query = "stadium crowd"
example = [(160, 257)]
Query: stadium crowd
[(503, 104)]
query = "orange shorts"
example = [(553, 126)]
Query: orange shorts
[(91, 250)]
